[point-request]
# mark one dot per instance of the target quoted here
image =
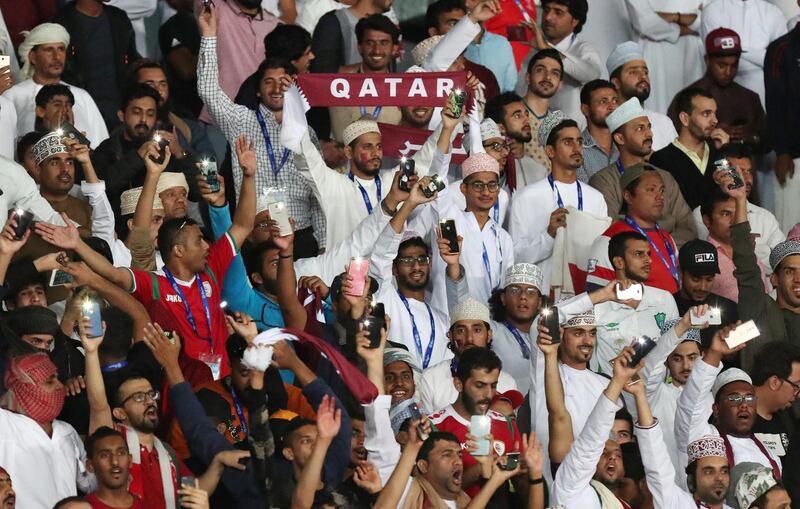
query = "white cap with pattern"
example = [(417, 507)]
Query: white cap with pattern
[(170, 179), (48, 146), (523, 274), (130, 198), (423, 49), (585, 319), (357, 128), (729, 376), (705, 447), (469, 309)]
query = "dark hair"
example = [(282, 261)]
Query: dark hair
[(64, 501), (287, 41), (168, 234), (412, 242), (99, 434), (632, 461), (618, 243), (577, 8), (440, 7), (378, 23), (588, 88), (47, 93), (142, 63), (119, 333), (495, 107), (474, 358), (623, 415), (762, 500), (736, 151), (546, 53), (430, 443), (634, 184), (274, 62), (254, 257), (27, 141), (293, 425), (235, 347), (683, 99), (774, 359), (710, 201), (564, 124), (138, 91), (125, 376)]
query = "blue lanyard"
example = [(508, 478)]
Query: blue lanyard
[(486, 264), (523, 345), (620, 168), (558, 195), (496, 211), (426, 360), (671, 267), (524, 15), (113, 367), (189, 316), (375, 113), (238, 409), (364, 194), (268, 142)]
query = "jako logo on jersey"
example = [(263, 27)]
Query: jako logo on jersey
[(173, 298)]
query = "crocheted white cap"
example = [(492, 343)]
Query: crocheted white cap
[(130, 198), (729, 376), (523, 274), (549, 122), (170, 179), (48, 146), (479, 161), (786, 248), (624, 52), (423, 49), (585, 319), (704, 447), (357, 128), (469, 309), (753, 484)]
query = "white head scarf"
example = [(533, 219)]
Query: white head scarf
[(46, 33)]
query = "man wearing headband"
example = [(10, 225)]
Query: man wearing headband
[(44, 53), (534, 232)]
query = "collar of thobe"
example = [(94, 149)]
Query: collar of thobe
[(565, 43)]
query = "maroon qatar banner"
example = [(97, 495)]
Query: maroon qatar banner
[(406, 141), (380, 89)]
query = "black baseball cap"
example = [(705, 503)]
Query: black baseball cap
[(699, 258)]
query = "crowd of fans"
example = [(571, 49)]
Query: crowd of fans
[(570, 279)]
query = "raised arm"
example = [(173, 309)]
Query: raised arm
[(559, 421), (393, 490), (245, 214), (99, 409), (329, 420)]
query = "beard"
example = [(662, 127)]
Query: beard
[(144, 424), (253, 398), (138, 136), (634, 91), (520, 136), (364, 168), (471, 405)]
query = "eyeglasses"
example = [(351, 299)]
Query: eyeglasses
[(479, 186), (516, 290), (262, 226), (411, 260), (737, 399), (794, 385), (498, 146), (141, 396)]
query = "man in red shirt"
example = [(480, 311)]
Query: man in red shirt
[(186, 296), (109, 460), (643, 195), (476, 381)]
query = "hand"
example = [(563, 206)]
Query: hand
[(207, 21), (51, 261), (669, 17), (367, 478), (414, 441), (231, 457), (285, 243), (193, 498), (5, 78), (165, 352), (725, 180), (500, 475), (533, 456), (358, 303), (484, 10), (287, 80), (329, 419), (635, 387), (686, 320), (215, 198), (416, 197), (174, 144), (444, 248), (685, 30), (718, 135), (75, 385), (283, 356), (720, 346), (151, 163), (149, 150), (9, 244), (90, 345), (784, 168), (78, 151), (537, 41), (397, 195), (449, 119), (246, 156), (621, 363), (545, 341), (65, 237), (624, 284), (83, 275), (243, 325), (314, 285), (486, 462), (371, 355), (558, 218)]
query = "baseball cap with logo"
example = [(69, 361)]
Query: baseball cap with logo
[(723, 42), (699, 258)]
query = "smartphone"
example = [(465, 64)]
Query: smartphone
[(436, 184), (456, 101), (208, 167), (91, 309), (642, 346), (24, 219), (67, 130), (5, 61), (713, 316), (374, 322), (60, 278), (162, 144), (724, 165), (517, 33), (207, 4), (278, 209), (417, 416), (357, 270), (633, 292), (408, 167), (480, 427), (448, 227), (742, 334), (550, 319), (513, 461), (188, 480)]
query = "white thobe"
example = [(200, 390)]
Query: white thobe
[(691, 419), (608, 26), (618, 324), (382, 448), (664, 131), (530, 216), (582, 64), (8, 126), (660, 472), (87, 117), (436, 391), (762, 222), (674, 61), (20, 191), (44, 468), (758, 23), (418, 316), (138, 11)]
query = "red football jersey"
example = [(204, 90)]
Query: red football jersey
[(505, 432)]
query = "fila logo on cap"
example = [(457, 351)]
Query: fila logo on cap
[(727, 42), (704, 257)]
